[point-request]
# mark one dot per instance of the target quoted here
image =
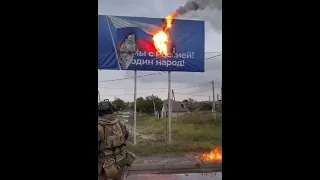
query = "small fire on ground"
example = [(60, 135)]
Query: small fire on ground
[(213, 156)]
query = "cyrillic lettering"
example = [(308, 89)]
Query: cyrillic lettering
[(144, 61), (133, 61), (189, 55), (140, 53), (178, 55), (138, 62), (158, 54), (158, 63), (183, 55), (169, 55), (151, 54), (174, 63), (144, 53), (169, 63), (150, 62), (164, 63), (180, 64)]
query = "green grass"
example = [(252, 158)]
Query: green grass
[(190, 133)]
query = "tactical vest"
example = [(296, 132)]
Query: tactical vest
[(111, 136), (113, 157)]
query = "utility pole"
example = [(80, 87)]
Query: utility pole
[(169, 107), (221, 99), (174, 98), (154, 105), (209, 98), (218, 102), (135, 110), (213, 103)]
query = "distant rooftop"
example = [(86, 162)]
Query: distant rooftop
[(176, 106)]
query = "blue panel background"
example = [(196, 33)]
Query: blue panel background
[(187, 35)]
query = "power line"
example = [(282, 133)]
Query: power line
[(152, 92), (201, 91), (213, 57), (193, 93), (212, 52), (152, 74), (174, 88), (133, 94), (186, 87)]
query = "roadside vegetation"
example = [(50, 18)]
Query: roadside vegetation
[(194, 132)]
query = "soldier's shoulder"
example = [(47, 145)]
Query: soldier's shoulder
[(120, 121), (102, 122)]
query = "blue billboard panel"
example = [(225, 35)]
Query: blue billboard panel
[(126, 43)]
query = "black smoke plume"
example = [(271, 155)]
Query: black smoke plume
[(194, 5)]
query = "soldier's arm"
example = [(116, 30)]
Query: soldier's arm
[(126, 132), (100, 135)]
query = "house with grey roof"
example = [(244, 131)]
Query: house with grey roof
[(178, 109)]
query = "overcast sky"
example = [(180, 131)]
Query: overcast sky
[(184, 84)]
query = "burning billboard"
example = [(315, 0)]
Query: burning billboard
[(150, 44)]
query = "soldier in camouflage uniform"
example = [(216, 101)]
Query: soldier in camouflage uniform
[(113, 158)]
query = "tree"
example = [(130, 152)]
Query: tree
[(140, 104), (205, 106), (157, 103), (190, 104), (192, 101), (119, 103), (145, 105), (128, 105)]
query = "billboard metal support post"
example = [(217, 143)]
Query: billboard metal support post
[(169, 107), (135, 109)]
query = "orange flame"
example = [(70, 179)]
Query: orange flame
[(169, 19), (161, 38), (160, 42), (213, 155)]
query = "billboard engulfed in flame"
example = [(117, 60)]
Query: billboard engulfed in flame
[(213, 156), (161, 38)]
